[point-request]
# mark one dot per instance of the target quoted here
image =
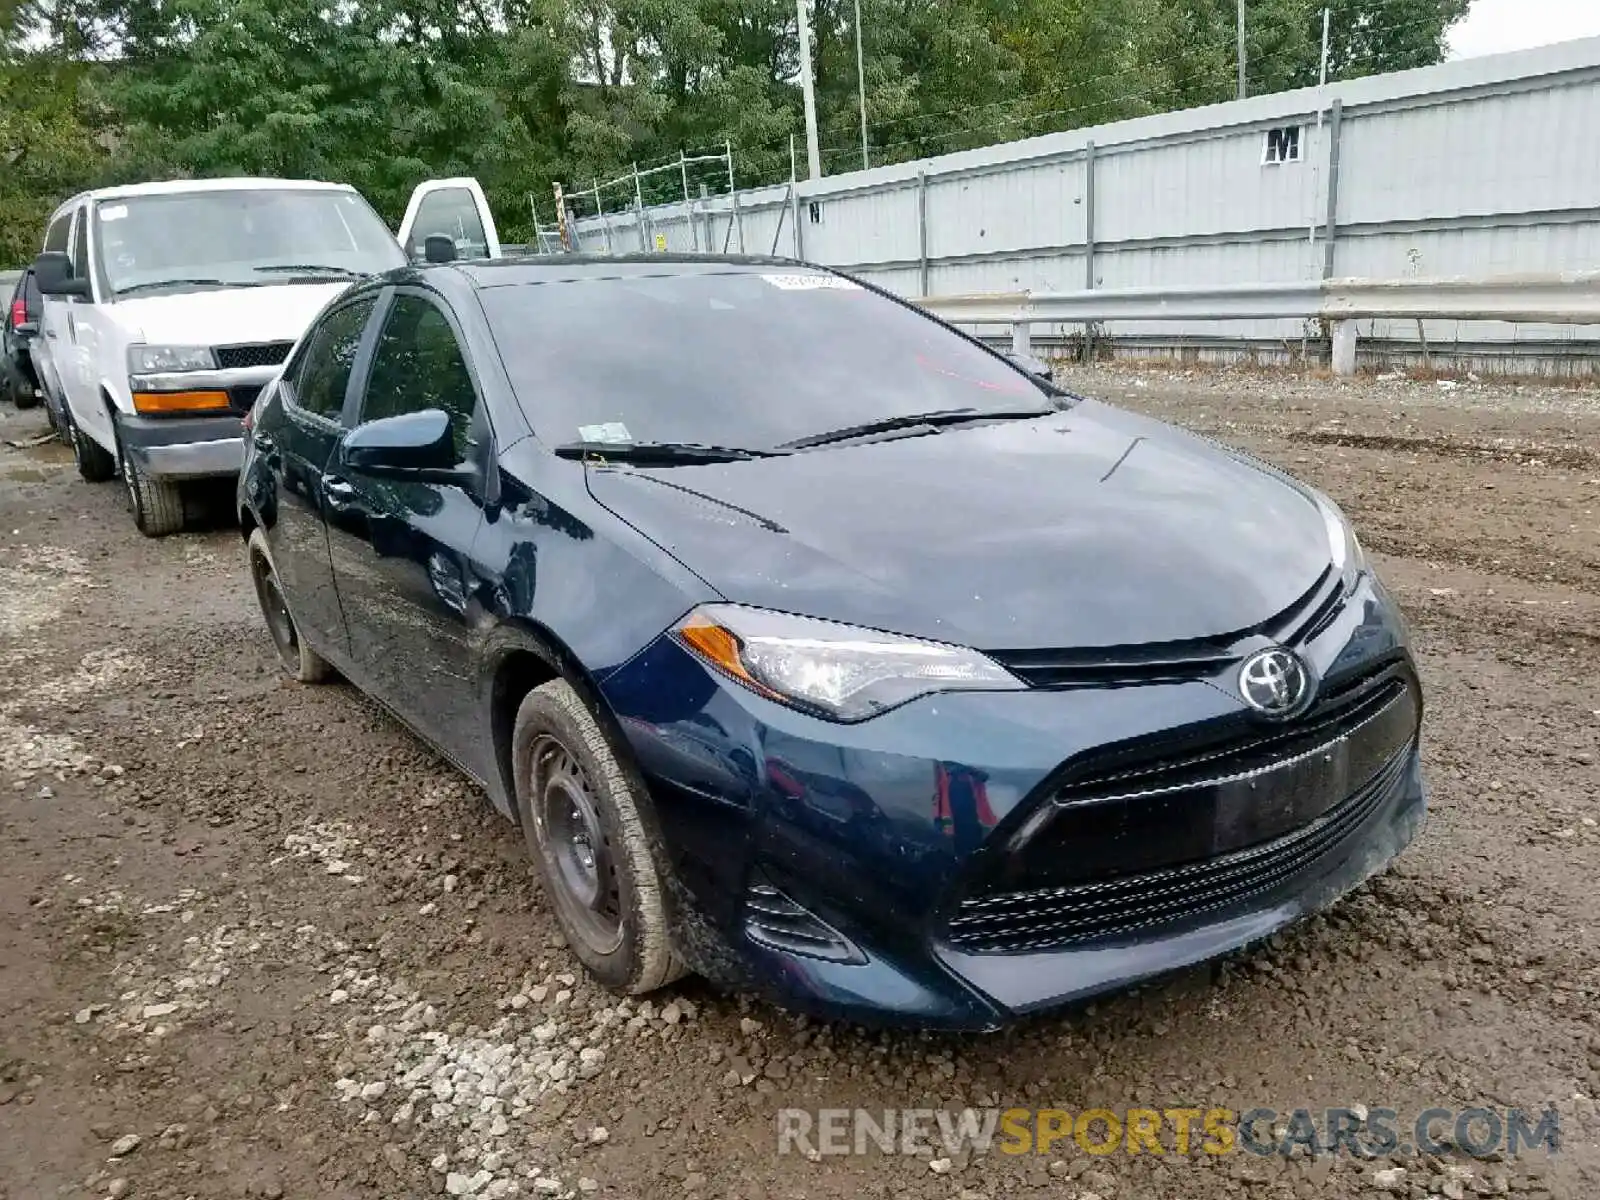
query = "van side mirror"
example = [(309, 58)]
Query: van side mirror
[(52, 271), (439, 248)]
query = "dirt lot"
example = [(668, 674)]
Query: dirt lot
[(255, 940)]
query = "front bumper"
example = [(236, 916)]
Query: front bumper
[(184, 447), (828, 865)]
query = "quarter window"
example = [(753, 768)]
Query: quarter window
[(323, 376), (418, 365)]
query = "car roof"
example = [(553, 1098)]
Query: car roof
[(571, 268), (168, 187)]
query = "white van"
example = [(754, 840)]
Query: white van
[(168, 306)]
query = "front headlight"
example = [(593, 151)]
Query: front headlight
[(161, 360), (1349, 559), (832, 670)]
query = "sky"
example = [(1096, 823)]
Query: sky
[(1491, 26)]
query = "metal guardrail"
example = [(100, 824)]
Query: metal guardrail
[(1568, 298)]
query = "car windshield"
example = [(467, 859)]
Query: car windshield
[(229, 236), (749, 359)]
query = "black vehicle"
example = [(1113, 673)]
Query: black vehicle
[(17, 375), (818, 648)]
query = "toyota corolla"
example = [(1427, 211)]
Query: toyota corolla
[(818, 648)]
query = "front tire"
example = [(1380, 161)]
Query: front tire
[(587, 822), (96, 464), (298, 659), (157, 504)]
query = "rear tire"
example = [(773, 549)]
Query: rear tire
[(95, 463), (157, 504), (298, 659), (589, 828)]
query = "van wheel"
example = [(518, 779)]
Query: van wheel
[(157, 503), (95, 463), (587, 822), (299, 659)]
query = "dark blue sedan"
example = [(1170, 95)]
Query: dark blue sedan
[(822, 650)]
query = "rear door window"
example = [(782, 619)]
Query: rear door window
[(318, 382)]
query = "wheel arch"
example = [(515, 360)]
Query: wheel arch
[(521, 656)]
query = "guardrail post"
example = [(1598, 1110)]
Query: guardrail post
[(1344, 347), (1021, 337)]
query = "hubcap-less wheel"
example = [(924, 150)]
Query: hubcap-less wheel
[(575, 845), (279, 623)]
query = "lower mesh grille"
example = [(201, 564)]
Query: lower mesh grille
[(773, 920), (1126, 906)]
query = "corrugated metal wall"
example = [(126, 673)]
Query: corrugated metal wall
[(1486, 165)]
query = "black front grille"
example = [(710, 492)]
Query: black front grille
[(257, 354), (1128, 906), (1146, 771)]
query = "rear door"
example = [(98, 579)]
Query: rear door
[(456, 208), (401, 549), (296, 438)]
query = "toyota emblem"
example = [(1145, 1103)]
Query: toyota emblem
[(1274, 682)]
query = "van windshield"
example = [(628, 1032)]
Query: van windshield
[(239, 237)]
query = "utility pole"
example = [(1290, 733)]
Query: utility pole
[(1242, 89), (808, 88), (1322, 73), (861, 82)]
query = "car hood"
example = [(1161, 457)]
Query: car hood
[(225, 316), (1092, 527)]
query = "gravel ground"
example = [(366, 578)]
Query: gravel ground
[(255, 940)]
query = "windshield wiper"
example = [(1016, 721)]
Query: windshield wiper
[(164, 283), (933, 420), (666, 453), (321, 268)]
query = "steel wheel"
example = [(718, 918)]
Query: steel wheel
[(299, 659), (576, 846), (279, 623)]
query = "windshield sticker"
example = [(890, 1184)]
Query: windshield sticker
[(612, 431), (812, 283), (113, 212)]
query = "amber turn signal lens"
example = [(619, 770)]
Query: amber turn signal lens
[(720, 648), (170, 402)]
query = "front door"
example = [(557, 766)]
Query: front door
[(81, 366), (401, 549), (456, 208), (297, 437)]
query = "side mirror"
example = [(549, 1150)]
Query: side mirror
[(439, 248), (52, 271), (418, 447), (28, 329), (1032, 365)]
